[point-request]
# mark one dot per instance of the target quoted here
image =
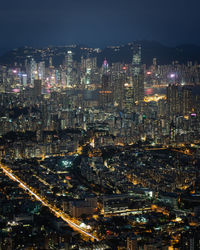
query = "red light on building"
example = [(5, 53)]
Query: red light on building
[(68, 178), (105, 92), (124, 68), (149, 72), (149, 91), (108, 232)]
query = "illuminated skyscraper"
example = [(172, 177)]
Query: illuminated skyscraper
[(106, 89), (88, 63), (137, 75), (128, 97), (41, 70), (69, 68), (33, 70)]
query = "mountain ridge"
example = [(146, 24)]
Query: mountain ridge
[(122, 53)]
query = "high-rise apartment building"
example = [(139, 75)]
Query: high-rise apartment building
[(187, 100), (173, 101), (179, 100)]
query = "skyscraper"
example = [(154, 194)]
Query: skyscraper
[(32, 71), (88, 69), (69, 68), (137, 75), (106, 90), (41, 70)]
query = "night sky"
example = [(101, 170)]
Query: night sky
[(98, 23)]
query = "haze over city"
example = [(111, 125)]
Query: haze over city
[(100, 125)]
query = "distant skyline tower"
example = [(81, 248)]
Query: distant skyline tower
[(105, 68), (50, 62), (41, 70), (136, 60), (33, 70), (88, 69), (137, 75), (69, 68), (155, 61), (106, 90)]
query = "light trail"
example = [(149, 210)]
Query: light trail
[(59, 214)]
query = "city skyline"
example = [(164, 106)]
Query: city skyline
[(100, 146)]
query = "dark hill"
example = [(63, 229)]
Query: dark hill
[(122, 53)]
